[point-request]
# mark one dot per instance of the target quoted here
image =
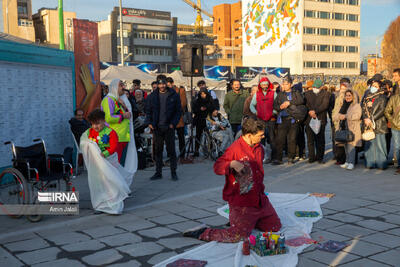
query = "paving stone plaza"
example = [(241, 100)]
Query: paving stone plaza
[(365, 213)]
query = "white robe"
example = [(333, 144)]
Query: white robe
[(131, 160), (108, 181)]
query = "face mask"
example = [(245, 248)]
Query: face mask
[(374, 89), (316, 91)]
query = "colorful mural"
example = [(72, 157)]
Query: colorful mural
[(270, 24)]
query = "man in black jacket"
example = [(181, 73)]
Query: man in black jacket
[(78, 125), (287, 105), (163, 111), (317, 102)]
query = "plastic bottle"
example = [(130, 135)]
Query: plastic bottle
[(246, 247)]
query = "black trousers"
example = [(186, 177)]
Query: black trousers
[(181, 138), (316, 143), (167, 137), (301, 141), (271, 137), (199, 131), (235, 128), (287, 131)]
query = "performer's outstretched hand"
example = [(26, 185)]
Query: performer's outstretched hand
[(237, 166)]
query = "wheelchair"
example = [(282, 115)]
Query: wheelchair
[(33, 171), (210, 146)]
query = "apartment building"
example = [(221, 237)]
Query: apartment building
[(16, 19)]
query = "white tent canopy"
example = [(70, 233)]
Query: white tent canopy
[(179, 79), (125, 73)]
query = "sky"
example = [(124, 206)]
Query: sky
[(376, 15)]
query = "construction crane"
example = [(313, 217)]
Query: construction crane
[(198, 26)]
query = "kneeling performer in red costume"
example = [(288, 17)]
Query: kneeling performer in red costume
[(249, 207)]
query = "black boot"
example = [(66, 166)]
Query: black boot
[(195, 232), (174, 177), (156, 176)]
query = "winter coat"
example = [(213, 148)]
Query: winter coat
[(353, 119), (297, 100), (319, 103), (78, 127), (182, 95), (233, 105), (338, 104), (376, 112), (246, 107), (392, 112), (199, 102), (174, 109), (264, 102)]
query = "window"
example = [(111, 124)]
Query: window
[(338, 32), (135, 35), (309, 64), (352, 2), (124, 33), (23, 8), (338, 16), (352, 49), (324, 48), (338, 65), (324, 15), (137, 51), (309, 47), (339, 1), (230, 55), (351, 33), (352, 17), (309, 13), (168, 52), (352, 65), (309, 30), (325, 1), (324, 64), (125, 49), (219, 28), (324, 31), (338, 48)]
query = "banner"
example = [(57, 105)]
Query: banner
[(149, 67), (87, 65), (246, 74), (173, 67), (217, 73)]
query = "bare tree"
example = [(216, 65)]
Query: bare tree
[(391, 46)]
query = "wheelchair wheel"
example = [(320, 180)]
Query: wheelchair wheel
[(13, 191), (34, 217)]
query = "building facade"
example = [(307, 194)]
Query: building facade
[(46, 22), (227, 28), (149, 36), (16, 19), (307, 36)]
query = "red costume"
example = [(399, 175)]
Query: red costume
[(265, 103), (247, 211)]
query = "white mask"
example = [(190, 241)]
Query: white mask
[(316, 91), (374, 89)]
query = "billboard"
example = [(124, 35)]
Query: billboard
[(270, 25), (173, 67), (144, 13), (87, 65), (218, 73)]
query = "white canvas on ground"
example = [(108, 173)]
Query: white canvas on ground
[(227, 254)]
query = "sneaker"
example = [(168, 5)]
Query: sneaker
[(174, 177), (344, 166), (277, 162), (350, 166), (156, 176), (267, 160), (195, 232)]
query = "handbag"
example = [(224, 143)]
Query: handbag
[(368, 133), (344, 135)]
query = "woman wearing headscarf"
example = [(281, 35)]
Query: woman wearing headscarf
[(350, 114), (220, 129), (373, 116), (117, 115)]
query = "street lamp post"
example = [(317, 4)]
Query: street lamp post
[(121, 33), (61, 24), (283, 51), (376, 54)]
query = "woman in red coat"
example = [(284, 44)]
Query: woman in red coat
[(249, 207)]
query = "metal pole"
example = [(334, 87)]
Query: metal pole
[(233, 52), (8, 22), (121, 37), (61, 24)]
